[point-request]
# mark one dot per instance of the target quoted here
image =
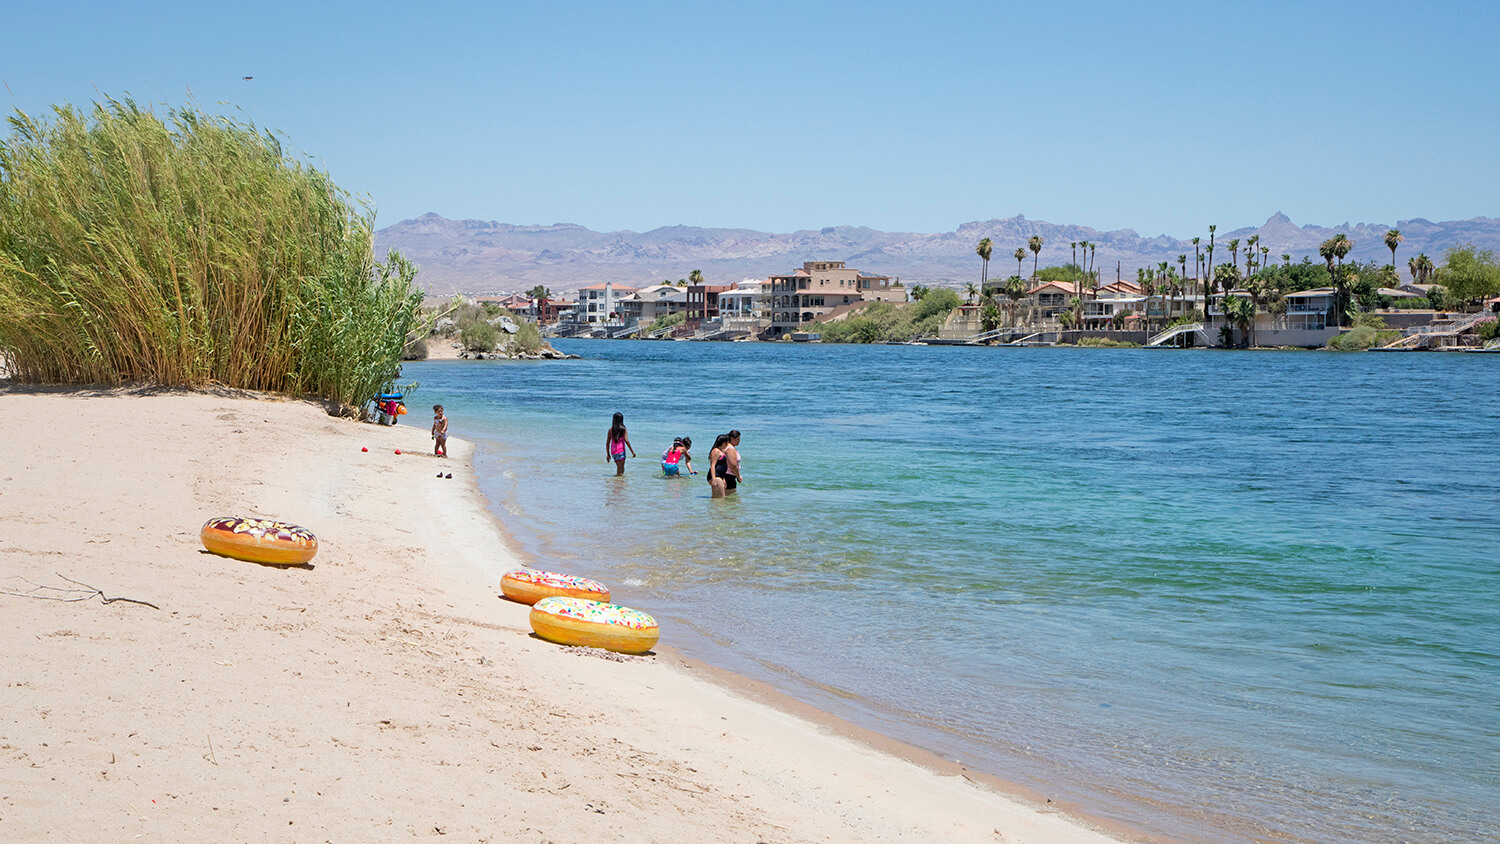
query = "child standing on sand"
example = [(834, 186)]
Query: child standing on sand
[(439, 431), (615, 443)]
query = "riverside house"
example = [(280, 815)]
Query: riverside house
[(703, 302), (1305, 323), (1051, 297), (817, 289), (651, 302), (600, 303)]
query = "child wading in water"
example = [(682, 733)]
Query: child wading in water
[(615, 443), (439, 431)]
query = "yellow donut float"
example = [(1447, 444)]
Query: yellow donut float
[(259, 540), (574, 621), (527, 586)]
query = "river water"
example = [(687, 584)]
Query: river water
[(1223, 596)]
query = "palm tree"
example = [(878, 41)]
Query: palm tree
[(1035, 245), (984, 250), (1250, 246), (1182, 262), (1091, 255), (695, 277), (1330, 250), (1234, 252), (1015, 288), (1240, 310), (1341, 246), (1197, 259), (971, 290), (1393, 239), (1411, 264), (1425, 268), (1208, 271), (1265, 251), (1078, 271), (1286, 259), (1019, 255)]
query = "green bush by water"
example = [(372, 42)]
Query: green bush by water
[(189, 252), (883, 321)]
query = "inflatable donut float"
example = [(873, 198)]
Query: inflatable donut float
[(528, 586), (573, 621), (259, 540)]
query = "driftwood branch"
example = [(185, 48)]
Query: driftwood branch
[(70, 595)]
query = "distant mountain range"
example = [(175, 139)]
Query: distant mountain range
[(473, 256)]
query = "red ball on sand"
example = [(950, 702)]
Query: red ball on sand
[(364, 449), (398, 451)]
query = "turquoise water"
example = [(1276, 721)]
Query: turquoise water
[(1224, 596)]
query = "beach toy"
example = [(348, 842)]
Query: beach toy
[(259, 540), (400, 410), (528, 586), (591, 624), (398, 451), (366, 448)]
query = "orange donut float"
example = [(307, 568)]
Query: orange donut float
[(528, 586), (573, 621), (259, 540)]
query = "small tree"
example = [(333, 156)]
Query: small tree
[(1240, 311), (1470, 274), (989, 316)]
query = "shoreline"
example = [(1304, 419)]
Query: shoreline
[(395, 620)]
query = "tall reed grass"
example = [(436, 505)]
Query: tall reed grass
[(189, 252)]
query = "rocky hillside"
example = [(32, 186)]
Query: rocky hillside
[(474, 256)]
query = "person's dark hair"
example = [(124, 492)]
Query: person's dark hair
[(732, 434), (437, 408), (687, 442), (719, 441), (617, 428)]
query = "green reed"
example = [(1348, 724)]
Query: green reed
[(186, 253)]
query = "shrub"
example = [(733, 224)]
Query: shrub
[(189, 252), (480, 337), (527, 339), (666, 321), (1420, 303), (1107, 343), (1356, 339)]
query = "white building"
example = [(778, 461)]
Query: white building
[(600, 303)]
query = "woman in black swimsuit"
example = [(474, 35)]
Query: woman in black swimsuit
[(718, 467), (732, 476)]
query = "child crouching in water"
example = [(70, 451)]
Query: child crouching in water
[(674, 458)]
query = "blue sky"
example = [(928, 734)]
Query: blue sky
[(1162, 117)]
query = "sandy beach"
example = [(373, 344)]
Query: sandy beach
[(385, 691)]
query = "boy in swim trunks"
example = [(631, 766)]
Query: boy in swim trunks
[(439, 431)]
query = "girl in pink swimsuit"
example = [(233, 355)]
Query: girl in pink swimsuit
[(615, 443)]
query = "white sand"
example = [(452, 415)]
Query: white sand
[(384, 693)]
